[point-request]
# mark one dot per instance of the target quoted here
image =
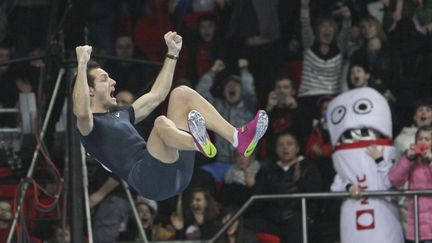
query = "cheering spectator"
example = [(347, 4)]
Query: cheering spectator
[(200, 219), (237, 106), (323, 58)]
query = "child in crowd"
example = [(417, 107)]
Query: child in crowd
[(361, 76), (416, 168)]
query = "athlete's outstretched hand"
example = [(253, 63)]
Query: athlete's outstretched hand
[(83, 54), (173, 42)]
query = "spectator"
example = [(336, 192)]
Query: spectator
[(206, 48), (254, 34), (422, 117), (239, 181), (5, 219), (289, 173), (319, 147), (319, 150), (237, 232), (282, 108), (147, 212), (124, 97), (28, 80), (322, 59), (200, 219), (382, 61), (130, 74), (61, 235), (360, 76), (112, 209), (415, 168), (237, 106)]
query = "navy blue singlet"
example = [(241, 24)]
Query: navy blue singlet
[(117, 145)]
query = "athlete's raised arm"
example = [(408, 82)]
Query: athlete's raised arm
[(81, 97), (162, 86)]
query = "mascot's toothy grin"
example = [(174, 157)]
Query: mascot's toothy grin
[(361, 134)]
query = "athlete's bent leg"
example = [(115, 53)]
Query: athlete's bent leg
[(166, 140), (184, 99)]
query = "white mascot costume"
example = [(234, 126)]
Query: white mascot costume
[(357, 119)]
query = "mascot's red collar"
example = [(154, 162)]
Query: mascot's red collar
[(364, 143)]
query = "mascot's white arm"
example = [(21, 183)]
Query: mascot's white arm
[(339, 184), (383, 170)]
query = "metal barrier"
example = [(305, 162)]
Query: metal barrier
[(322, 195)]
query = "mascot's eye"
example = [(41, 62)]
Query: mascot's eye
[(363, 106), (338, 114)]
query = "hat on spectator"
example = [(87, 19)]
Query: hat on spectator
[(232, 77)]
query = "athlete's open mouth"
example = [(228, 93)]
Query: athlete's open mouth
[(359, 134), (112, 93)]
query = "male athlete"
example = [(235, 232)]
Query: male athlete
[(163, 167)]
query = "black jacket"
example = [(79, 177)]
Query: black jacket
[(274, 180)]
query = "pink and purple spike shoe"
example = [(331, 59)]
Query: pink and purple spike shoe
[(199, 133), (251, 133)]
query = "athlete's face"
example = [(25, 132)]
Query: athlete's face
[(287, 148), (199, 203), (102, 93)]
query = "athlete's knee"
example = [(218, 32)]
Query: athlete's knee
[(163, 125), (182, 93), (161, 122)]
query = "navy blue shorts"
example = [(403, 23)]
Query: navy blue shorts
[(158, 181)]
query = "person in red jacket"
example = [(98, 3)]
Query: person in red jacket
[(318, 147)]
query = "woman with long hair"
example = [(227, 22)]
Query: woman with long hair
[(200, 218)]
